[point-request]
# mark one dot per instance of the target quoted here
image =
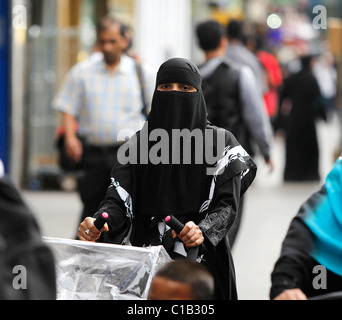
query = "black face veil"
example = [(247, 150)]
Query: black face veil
[(174, 186)]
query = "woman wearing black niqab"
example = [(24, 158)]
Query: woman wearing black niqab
[(202, 194)]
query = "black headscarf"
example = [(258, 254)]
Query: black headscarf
[(172, 187)]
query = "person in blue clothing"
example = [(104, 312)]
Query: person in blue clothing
[(310, 261)]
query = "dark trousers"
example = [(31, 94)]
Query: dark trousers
[(98, 163)]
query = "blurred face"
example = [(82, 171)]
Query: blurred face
[(165, 289), (112, 44), (176, 87)]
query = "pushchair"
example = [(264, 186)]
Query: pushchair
[(97, 271)]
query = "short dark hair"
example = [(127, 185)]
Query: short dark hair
[(234, 30), (192, 273), (107, 22), (209, 34)]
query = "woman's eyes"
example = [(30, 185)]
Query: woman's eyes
[(165, 86), (188, 88), (176, 87)]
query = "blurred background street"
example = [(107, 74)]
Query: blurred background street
[(40, 41)]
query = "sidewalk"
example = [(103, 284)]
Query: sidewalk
[(57, 213)]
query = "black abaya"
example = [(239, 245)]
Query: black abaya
[(302, 153), (143, 194)]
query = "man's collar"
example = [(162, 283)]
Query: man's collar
[(122, 67)]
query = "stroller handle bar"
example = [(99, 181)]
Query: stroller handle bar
[(328, 296), (177, 226)]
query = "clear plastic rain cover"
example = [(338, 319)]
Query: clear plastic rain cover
[(97, 271)]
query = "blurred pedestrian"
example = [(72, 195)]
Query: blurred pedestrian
[(27, 266), (203, 194), (301, 145), (325, 72), (104, 98), (310, 262), (273, 72), (182, 280), (232, 99), (237, 52)]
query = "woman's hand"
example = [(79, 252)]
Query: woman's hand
[(191, 235), (88, 232), (74, 148), (291, 294)]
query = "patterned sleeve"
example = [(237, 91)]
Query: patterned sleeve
[(117, 204), (235, 172), (221, 214)]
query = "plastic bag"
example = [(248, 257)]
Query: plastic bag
[(97, 271)]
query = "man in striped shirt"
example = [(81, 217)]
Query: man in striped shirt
[(103, 98)]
